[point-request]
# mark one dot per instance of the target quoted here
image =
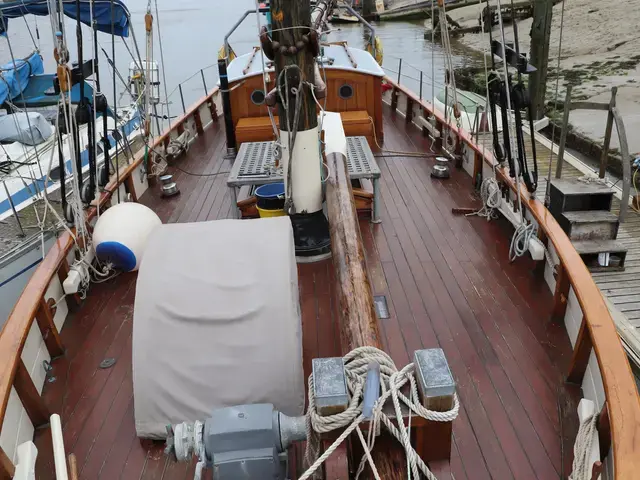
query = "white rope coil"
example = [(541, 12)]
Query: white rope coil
[(490, 194), (582, 468), (392, 381)]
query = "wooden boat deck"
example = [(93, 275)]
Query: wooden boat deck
[(448, 283)]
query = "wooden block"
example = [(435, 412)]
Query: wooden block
[(591, 225), (437, 389), (48, 330)]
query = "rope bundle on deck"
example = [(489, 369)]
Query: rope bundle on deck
[(392, 382)]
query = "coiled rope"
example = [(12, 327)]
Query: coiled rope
[(581, 469), (490, 194), (392, 381)]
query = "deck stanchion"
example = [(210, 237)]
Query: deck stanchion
[(184, 108), (420, 85), (204, 82)]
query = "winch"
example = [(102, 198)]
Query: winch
[(241, 442), (441, 168)]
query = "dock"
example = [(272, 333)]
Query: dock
[(620, 288)]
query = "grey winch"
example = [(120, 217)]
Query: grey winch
[(242, 442)]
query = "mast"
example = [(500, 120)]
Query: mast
[(295, 46)]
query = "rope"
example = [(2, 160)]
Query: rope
[(520, 240), (392, 381), (490, 193), (581, 469)]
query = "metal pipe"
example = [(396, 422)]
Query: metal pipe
[(233, 29), (204, 82), (365, 23), (13, 207), (399, 70), (226, 105), (420, 84)]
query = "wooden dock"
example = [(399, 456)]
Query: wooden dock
[(622, 289)]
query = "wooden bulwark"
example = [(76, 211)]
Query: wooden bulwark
[(619, 384), (32, 304)]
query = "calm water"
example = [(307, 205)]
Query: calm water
[(193, 31)]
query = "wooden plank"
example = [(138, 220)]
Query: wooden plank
[(31, 400), (49, 331), (7, 469), (581, 352)]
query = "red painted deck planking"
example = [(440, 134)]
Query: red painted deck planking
[(448, 283)]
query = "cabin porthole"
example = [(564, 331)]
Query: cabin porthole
[(257, 97), (345, 91)]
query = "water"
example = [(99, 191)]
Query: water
[(194, 30), (192, 33)]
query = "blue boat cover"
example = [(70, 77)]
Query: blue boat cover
[(101, 13), (14, 79)]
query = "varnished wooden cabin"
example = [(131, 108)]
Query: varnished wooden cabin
[(524, 340)]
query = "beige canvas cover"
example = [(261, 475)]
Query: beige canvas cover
[(216, 322)]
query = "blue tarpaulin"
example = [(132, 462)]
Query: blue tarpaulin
[(14, 79), (102, 13)]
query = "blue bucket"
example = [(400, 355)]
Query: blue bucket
[(271, 197)]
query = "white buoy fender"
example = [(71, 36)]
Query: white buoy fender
[(121, 233)]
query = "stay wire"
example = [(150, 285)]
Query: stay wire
[(164, 76), (115, 102)]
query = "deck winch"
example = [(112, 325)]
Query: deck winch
[(441, 168), (244, 441)]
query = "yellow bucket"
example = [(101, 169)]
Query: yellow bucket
[(270, 213)]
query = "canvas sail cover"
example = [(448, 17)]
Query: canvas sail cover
[(216, 322), (103, 14), (14, 78), (29, 128)]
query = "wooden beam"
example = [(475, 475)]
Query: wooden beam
[(359, 324), (409, 111), (30, 398), (563, 133), (7, 469), (48, 329), (358, 320), (589, 106), (561, 296), (604, 158), (198, 120), (540, 39), (581, 353)]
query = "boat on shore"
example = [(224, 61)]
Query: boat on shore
[(418, 341)]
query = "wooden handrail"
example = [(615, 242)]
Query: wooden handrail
[(623, 401), (16, 328)]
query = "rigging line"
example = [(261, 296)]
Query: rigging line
[(509, 119), (115, 103), (164, 76), (37, 47), (553, 128), (94, 109), (15, 67), (433, 55)]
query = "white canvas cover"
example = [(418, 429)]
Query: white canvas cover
[(216, 322)]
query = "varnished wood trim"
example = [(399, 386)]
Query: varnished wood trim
[(29, 396), (477, 168), (409, 111), (198, 120), (394, 99), (131, 189), (618, 380), (604, 432), (49, 331), (560, 297), (7, 470), (581, 353)]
